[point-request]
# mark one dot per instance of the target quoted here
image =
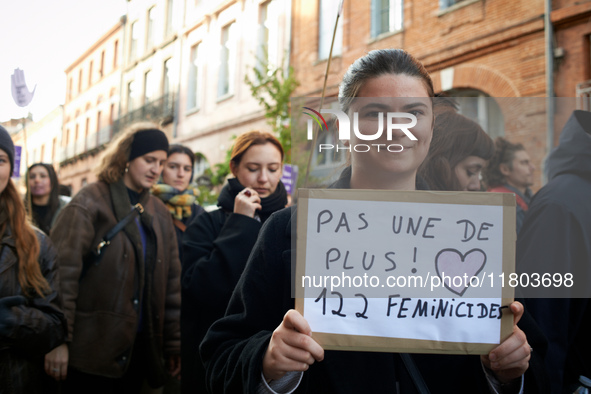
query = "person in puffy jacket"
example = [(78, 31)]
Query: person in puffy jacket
[(122, 305)]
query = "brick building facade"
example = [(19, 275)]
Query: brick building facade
[(488, 50)]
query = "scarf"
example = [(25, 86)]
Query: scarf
[(274, 202), (179, 204)]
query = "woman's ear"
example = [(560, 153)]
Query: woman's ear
[(504, 168), (233, 168)]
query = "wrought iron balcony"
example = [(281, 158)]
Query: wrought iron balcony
[(160, 111)]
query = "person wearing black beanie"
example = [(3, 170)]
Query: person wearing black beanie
[(7, 146), (125, 300)]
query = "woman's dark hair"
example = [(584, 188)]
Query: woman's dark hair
[(248, 139), (504, 154), (54, 201), (380, 62), (455, 137), (178, 148)]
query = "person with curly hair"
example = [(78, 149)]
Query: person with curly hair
[(120, 273)]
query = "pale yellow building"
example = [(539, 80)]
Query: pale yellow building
[(221, 43), (92, 107), (152, 52), (42, 142)]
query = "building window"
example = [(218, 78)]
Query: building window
[(80, 81), (115, 53), (131, 95), (90, 74), (443, 4), (69, 88), (170, 18), (329, 158), (167, 77), (151, 28), (98, 120), (112, 114), (227, 60), (328, 13), (135, 36), (194, 78), (102, 68), (149, 87), (481, 108), (201, 165), (386, 16), (53, 149), (263, 47)]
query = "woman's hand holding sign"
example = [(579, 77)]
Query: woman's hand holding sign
[(510, 359), (291, 348)]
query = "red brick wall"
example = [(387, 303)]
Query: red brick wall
[(494, 46)]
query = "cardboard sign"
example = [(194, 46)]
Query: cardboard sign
[(405, 271)]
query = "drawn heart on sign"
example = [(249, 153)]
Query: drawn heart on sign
[(451, 263)]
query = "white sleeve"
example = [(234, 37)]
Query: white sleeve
[(497, 387), (286, 385)]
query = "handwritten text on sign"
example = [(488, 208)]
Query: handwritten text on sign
[(417, 270)]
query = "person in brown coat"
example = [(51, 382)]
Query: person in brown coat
[(31, 320), (122, 305)]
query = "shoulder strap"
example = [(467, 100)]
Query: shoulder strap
[(518, 199), (414, 373), (137, 210), (180, 225)]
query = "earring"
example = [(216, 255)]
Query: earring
[(127, 169)]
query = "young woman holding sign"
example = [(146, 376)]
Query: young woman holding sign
[(263, 344)]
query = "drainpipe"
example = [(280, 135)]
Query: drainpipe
[(288, 29), (550, 107), (177, 104), (124, 19)]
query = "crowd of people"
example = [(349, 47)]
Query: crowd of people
[(130, 283)]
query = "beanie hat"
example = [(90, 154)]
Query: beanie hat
[(147, 141), (7, 146)]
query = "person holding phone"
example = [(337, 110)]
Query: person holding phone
[(216, 244)]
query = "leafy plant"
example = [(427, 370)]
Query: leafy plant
[(273, 86)]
